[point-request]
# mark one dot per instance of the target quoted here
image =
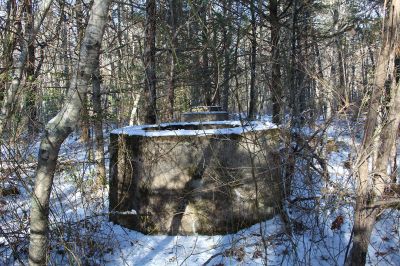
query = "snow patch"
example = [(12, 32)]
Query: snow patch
[(237, 127)]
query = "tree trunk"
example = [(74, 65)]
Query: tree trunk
[(293, 93), (172, 55), (321, 100), (58, 129), (65, 50), (98, 128), (9, 100), (252, 112), (276, 85), (133, 119), (12, 30), (150, 64), (387, 140), (227, 40), (376, 141), (207, 91), (364, 220), (31, 75), (340, 87), (85, 117)]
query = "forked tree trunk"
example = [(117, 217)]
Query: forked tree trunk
[(58, 129), (365, 215), (379, 139)]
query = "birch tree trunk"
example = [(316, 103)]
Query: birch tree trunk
[(58, 129), (133, 119), (98, 128)]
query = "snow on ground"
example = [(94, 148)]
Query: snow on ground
[(81, 233), (244, 247)]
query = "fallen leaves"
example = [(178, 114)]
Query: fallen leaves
[(337, 223)]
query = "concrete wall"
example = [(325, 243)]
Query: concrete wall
[(187, 184), (205, 116)]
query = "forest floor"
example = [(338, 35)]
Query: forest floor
[(321, 211)]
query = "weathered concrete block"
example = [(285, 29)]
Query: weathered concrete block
[(188, 178), (205, 116), (206, 108)]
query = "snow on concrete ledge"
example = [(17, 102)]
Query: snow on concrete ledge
[(166, 129)]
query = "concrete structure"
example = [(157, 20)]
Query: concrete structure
[(205, 116), (205, 113), (189, 178)]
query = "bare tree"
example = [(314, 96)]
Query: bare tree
[(58, 129), (379, 137)]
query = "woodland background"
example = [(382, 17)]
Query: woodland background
[(323, 69)]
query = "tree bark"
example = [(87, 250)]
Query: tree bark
[(30, 102), (150, 64), (65, 49), (340, 87), (12, 30), (321, 100), (172, 55), (379, 139), (206, 86), (276, 84), (58, 129), (85, 117), (227, 41), (252, 112), (98, 128), (293, 90)]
